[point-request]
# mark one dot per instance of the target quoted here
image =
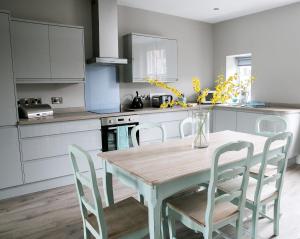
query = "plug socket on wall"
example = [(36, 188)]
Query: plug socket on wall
[(56, 100)]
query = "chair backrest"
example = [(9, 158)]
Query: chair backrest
[(147, 126), (89, 181), (270, 125), (279, 160), (183, 123), (219, 175)]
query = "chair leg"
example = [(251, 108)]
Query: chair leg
[(164, 226), (276, 217), (255, 216), (86, 232), (172, 227), (208, 234), (141, 198), (264, 209), (239, 228)]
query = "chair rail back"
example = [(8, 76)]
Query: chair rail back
[(276, 124), (218, 175), (280, 160), (88, 180), (147, 126), (183, 123)]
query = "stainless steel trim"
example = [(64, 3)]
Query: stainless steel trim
[(108, 60), (119, 120), (129, 126)]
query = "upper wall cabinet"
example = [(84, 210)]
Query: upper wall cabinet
[(47, 53), (66, 52), (150, 57), (7, 91), (31, 50)]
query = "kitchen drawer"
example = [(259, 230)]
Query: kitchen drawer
[(43, 169), (163, 117), (57, 145), (59, 128)]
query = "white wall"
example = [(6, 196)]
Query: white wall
[(194, 46), (273, 38), (194, 41), (72, 93)]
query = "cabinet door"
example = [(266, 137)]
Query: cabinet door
[(30, 50), (7, 91), (10, 164), (224, 120), (143, 57), (66, 52), (166, 59), (246, 122)]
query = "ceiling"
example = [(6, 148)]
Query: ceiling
[(202, 10)]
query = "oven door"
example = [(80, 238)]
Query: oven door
[(109, 137)]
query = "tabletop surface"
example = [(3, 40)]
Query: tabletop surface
[(158, 163)]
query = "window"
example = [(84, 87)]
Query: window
[(241, 65)]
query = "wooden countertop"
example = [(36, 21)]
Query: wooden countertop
[(84, 115)]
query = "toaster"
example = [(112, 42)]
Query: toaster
[(157, 100)]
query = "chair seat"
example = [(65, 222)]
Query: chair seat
[(123, 218), (269, 171), (194, 206), (268, 191)]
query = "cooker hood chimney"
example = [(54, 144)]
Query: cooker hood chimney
[(105, 33)]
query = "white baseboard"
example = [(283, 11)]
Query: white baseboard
[(38, 186)]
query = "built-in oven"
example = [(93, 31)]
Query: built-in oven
[(109, 130)]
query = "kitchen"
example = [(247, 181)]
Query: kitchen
[(63, 61)]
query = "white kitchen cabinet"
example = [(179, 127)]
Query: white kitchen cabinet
[(143, 58), (44, 147), (66, 52), (170, 121), (224, 120), (31, 57), (10, 163), (48, 168), (246, 122), (7, 89), (44, 52), (150, 57), (166, 62)]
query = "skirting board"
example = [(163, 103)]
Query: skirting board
[(39, 186)]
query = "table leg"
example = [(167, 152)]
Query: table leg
[(154, 215), (108, 188)]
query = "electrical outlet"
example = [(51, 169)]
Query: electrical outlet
[(56, 100)]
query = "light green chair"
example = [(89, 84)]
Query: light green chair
[(127, 219), (183, 124), (264, 190), (268, 126), (206, 211), (147, 126)]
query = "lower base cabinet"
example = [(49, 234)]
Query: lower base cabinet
[(44, 148), (10, 163)]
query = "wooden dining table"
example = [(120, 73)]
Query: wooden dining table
[(160, 170)]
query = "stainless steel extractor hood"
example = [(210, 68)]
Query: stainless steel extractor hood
[(105, 33)]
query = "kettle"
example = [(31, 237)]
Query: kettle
[(137, 102)]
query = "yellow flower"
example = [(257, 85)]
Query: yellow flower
[(196, 84), (163, 85)]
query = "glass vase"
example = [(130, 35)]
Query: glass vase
[(201, 129)]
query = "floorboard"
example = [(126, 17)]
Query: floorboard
[(54, 214)]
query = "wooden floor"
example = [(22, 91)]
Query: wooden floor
[(55, 213)]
